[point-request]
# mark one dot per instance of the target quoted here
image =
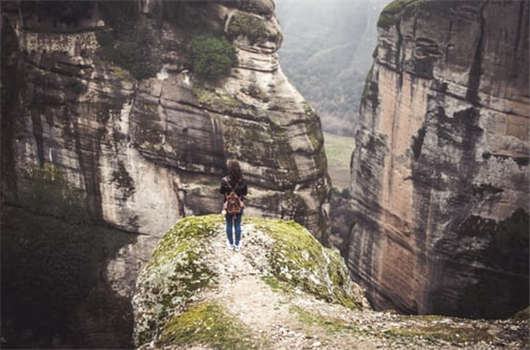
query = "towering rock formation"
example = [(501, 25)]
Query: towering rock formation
[(439, 170), (109, 136)]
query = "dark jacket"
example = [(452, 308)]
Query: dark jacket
[(240, 189)]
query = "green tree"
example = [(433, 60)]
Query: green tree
[(212, 56)]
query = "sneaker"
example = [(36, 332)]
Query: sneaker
[(229, 245), (238, 246)]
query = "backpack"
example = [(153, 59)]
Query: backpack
[(233, 204)]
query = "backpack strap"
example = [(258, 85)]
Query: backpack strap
[(232, 189)]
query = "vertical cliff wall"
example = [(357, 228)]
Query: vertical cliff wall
[(439, 170), (109, 136)]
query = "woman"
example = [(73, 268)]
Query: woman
[(234, 188)]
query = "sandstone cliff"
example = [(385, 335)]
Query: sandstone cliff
[(109, 136), (439, 170)]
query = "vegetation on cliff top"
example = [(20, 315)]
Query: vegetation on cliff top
[(128, 42), (391, 13), (208, 323), (298, 259), (212, 56), (176, 271), (248, 25)]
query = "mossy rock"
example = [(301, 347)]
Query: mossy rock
[(209, 323), (184, 263), (175, 272), (298, 259)]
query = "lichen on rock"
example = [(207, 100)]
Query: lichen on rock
[(297, 258), (175, 272), (210, 323), (188, 267)]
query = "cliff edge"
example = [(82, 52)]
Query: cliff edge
[(283, 290)]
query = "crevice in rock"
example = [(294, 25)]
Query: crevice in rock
[(475, 72)]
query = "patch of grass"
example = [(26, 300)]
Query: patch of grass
[(209, 323), (212, 56), (278, 286), (330, 324), (338, 152), (210, 97)]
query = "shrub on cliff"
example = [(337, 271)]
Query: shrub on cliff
[(126, 44), (212, 56)]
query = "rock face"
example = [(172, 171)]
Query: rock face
[(439, 170), (104, 115)]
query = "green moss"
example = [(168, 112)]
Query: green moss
[(299, 259), (392, 12), (209, 323), (330, 324), (444, 332), (212, 56), (175, 272), (210, 97), (277, 285), (185, 235), (308, 110)]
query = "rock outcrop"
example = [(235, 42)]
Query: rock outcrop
[(104, 114), (439, 170), (283, 290)]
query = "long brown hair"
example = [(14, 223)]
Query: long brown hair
[(235, 171)]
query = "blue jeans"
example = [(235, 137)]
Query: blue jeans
[(237, 219)]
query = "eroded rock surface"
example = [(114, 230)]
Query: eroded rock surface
[(102, 105), (440, 162)]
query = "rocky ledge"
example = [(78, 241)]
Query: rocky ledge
[(283, 290)]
